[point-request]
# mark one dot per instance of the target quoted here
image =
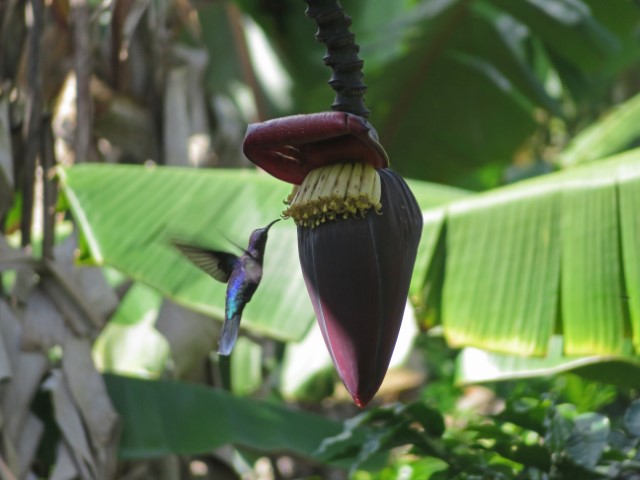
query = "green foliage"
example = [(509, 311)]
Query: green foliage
[(130, 227), (438, 71), (387, 427), (573, 233), (544, 226), (128, 214), (162, 417), (468, 93), (531, 438), (616, 131)]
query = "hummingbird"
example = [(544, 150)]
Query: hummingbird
[(242, 274)]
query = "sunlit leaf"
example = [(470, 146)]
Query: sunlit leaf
[(515, 255), (480, 366), (629, 199), (610, 135), (129, 214), (491, 240), (592, 309)]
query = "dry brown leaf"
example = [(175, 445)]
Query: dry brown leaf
[(28, 367), (44, 327), (69, 422), (89, 280), (5, 363), (65, 468), (11, 462), (26, 279), (28, 442), (67, 296), (11, 258), (89, 392), (7, 252)]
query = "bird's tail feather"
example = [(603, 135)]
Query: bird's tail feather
[(229, 335)]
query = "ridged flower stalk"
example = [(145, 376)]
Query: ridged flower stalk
[(358, 223)]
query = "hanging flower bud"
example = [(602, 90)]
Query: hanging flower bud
[(359, 227), (357, 272)]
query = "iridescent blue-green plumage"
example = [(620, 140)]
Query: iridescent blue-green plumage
[(243, 274)]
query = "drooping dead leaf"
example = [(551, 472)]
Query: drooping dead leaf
[(11, 258), (5, 363), (67, 296), (69, 422), (28, 369), (44, 327), (22, 372), (90, 394), (10, 465), (65, 468), (79, 397), (26, 279), (89, 280), (28, 442)]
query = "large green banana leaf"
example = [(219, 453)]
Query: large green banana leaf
[(128, 215), (557, 253), (163, 417), (505, 269)]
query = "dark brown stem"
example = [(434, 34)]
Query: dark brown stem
[(32, 126), (342, 55), (82, 66), (50, 189)]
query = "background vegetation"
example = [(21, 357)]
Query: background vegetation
[(517, 123)]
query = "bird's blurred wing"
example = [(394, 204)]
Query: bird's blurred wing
[(217, 264)]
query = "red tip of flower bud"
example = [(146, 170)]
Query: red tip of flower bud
[(290, 147)]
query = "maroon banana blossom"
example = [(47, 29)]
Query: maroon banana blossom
[(289, 148), (358, 232)]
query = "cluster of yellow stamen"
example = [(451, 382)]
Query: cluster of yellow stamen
[(337, 191)]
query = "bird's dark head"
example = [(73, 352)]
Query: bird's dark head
[(258, 241)]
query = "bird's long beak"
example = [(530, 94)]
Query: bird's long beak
[(266, 229)]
